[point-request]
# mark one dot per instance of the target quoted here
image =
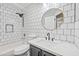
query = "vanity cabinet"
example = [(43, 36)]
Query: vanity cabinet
[(35, 51)]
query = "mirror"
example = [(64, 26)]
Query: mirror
[(52, 19)]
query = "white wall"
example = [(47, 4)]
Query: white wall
[(8, 16), (67, 30), (33, 19), (77, 25)]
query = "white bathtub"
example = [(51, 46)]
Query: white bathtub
[(13, 48)]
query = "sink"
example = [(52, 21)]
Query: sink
[(36, 40), (44, 41), (56, 41)]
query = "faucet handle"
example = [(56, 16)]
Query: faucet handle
[(46, 38), (48, 34), (53, 39)]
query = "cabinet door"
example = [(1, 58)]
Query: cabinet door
[(34, 51), (44, 53)]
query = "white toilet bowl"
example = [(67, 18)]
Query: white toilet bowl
[(21, 50)]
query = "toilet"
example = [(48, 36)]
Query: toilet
[(22, 50)]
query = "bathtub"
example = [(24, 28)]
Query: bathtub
[(12, 49)]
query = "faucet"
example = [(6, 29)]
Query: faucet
[(48, 34), (48, 38)]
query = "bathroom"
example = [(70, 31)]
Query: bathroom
[(25, 30)]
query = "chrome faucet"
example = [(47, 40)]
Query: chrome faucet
[(48, 38)]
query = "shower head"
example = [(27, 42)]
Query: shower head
[(21, 15)]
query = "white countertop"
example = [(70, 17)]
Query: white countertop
[(57, 48)]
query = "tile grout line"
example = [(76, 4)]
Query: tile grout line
[(74, 19)]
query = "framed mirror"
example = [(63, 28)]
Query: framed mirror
[(52, 19)]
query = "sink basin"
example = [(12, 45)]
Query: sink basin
[(36, 40), (44, 41), (56, 41)]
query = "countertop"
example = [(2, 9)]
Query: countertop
[(59, 48)]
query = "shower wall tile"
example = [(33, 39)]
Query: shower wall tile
[(57, 37), (65, 14), (60, 32), (77, 33), (77, 12), (72, 17), (77, 25), (70, 38), (64, 26), (71, 13), (72, 6), (73, 32), (71, 26), (67, 32), (67, 7), (67, 20), (8, 16)]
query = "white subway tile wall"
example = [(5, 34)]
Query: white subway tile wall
[(8, 16), (65, 32), (77, 25), (68, 31)]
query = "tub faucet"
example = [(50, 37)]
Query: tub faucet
[(48, 34)]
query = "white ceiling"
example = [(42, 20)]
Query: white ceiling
[(22, 6)]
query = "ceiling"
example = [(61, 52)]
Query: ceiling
[(22, 6)]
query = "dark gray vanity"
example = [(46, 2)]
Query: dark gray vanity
[(35, 51)]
